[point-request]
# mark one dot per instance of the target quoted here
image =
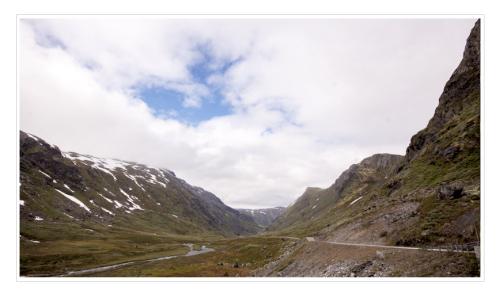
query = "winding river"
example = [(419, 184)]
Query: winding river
[(191, 252)]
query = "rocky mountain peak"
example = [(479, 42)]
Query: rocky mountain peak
[(459, 92), (311, 191), (381, 161)]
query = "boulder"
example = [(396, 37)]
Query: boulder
[(450, 191)]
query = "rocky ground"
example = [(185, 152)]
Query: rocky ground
[(307, 259)]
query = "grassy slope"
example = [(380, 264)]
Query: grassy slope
[(357, 185)]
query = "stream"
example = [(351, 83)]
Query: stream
[(190, 253)]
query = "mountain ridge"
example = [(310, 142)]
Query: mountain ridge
[(263, 216), (315, 202), (125, 188)]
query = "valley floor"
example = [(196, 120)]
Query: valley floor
[(152, 255)]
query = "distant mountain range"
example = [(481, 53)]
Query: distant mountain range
[(263, 217)]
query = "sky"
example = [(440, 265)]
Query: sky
[(254, 110)]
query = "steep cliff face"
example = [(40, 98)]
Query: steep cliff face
[(460, 96), (428, 197), (442, 165)]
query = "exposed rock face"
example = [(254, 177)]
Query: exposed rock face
[(374, 168), (35, 153), (74, 189), (450, 191), (442, 164), (463, 84), (382, 162)]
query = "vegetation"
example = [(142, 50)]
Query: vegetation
[(232, 257)]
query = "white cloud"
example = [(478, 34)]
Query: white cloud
[(310, 97)]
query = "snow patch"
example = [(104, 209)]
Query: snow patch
[(21, 202), (109, 201), (154, 180), (38, 218), (45, 174), (118, 204), (135, 180), (314, 206), (174, 215), (131, 199), (106, 165), (125, 194), (109, 192), (74, 200), (356, 200), (33, 137), (69, 215), (106, 210), (67, 187), (105, 171), (163, 175), (134, 206)]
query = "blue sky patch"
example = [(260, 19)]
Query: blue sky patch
[(208, 66), (169, 103)]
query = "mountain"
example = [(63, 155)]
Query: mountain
[(263, 217), (77, 192), (353, 185), (431, 196)]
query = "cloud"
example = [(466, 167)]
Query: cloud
[(309, 96)]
